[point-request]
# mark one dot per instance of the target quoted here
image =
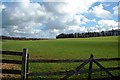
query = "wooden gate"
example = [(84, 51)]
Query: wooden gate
[(78, 69)]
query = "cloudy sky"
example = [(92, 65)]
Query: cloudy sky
[(46, 19)]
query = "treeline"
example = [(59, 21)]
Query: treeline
[(20, 38), (90, 34)]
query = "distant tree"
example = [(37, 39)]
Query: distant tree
[(90, 34)]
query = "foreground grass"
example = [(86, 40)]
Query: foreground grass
[(79, 48)]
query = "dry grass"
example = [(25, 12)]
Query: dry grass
[(9, 66)]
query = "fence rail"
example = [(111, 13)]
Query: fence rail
[(8, 71), (70, 60), (11, 61), (11, 53), (66, 72)]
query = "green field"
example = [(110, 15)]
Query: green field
[(66, 48), (77, 48)]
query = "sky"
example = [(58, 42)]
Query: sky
[(48, 18)]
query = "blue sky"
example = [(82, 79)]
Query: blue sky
[(46, 19), (107, 6)]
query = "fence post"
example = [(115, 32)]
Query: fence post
[(27, 66), (90, 67), (24, 64)]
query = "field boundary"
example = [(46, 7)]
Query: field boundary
[(25, 73)]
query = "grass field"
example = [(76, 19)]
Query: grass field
[(66, 48), (77, 48)]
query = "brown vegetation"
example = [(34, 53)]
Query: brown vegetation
[(8, 66)]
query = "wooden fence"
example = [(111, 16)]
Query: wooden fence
[(78, 69), (25, 73), (23, 62)]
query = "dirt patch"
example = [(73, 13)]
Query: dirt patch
[(9, 66)]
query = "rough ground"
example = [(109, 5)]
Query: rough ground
[(9, 66)]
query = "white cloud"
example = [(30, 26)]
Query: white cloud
[(73, 29), (92, 29), (53, 16), (99, 11), (110, 0), (2, 6), (47, 19), (16, 0), (116, 10), (103, 25), (27, 18), (108, 24)]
